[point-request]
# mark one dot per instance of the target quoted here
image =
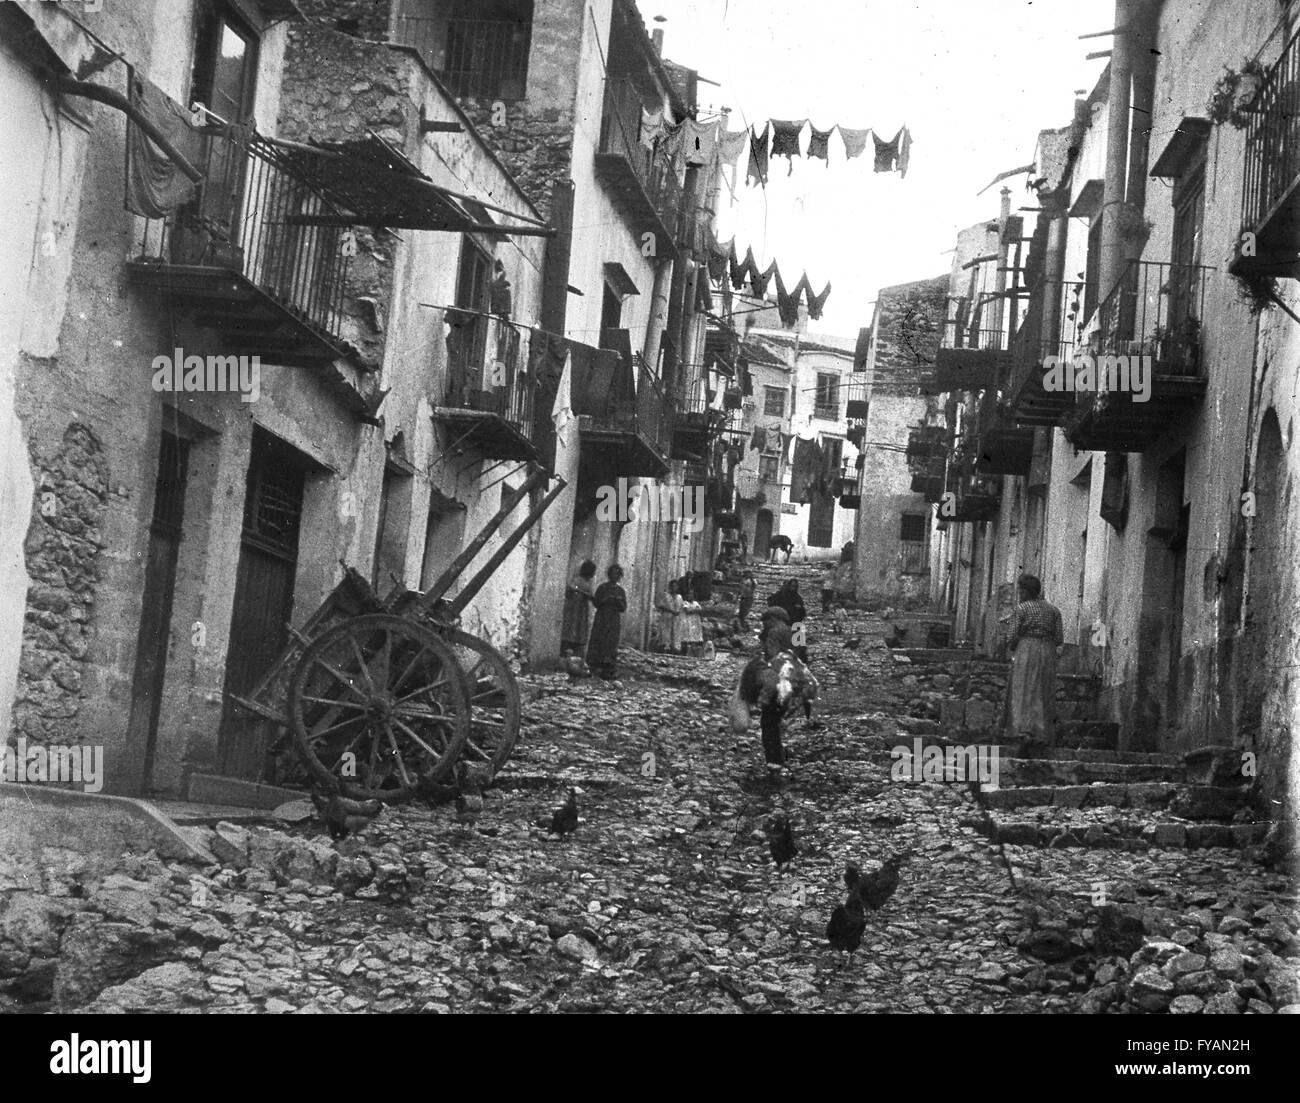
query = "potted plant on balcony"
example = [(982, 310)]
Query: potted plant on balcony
[(1233, 97)]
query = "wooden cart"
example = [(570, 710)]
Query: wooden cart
[(381, 698)]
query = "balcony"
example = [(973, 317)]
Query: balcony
[(975, 497), (475, 58), (1049, 328), (1154, 313), (927, 459), (695, 426), (1270, 206), (258, 257), (625, 417), (969, 358), (643, 185), (490, 395), (1001, 446)]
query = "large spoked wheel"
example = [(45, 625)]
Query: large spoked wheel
[(493, 696), (379, 707)]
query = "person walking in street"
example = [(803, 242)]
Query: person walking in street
[(787, 598), (748, 588), (1035, 638), (578, 597), (607, 625), (829, 578), (670, 619)]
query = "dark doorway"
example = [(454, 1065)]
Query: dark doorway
[(259, 623), (154, 638)]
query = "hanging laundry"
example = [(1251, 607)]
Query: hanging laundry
[(758, 441), (731, 146), (887, 152), (701, 142), (703, 297), (819, 143), (806, 468), (904, 149), (738, 270), (817, 302), (785, 139), (758, 154), (802, 289), (155, 186), (787, 305), (746, 380), (718, 260), (855, 141), (652, 127), (672, 146), (761, 279)]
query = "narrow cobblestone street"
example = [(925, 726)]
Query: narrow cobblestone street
[(666, 897)]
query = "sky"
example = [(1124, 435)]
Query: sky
[(973, 80)]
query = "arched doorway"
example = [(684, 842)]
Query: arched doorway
[(762, 534)]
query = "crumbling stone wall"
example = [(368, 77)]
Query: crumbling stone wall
[(63, 549), (534, 143)]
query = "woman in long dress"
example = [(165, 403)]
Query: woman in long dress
[(607, 625), (692, 625), (578, 599), (670, 619), (1036, 634)]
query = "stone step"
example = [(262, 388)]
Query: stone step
[(1095, 754), (1139, 794), (1074, 771), (1113, 834)]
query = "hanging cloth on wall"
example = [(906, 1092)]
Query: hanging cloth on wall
[(703, 297), (887, 152), (155, 186), (758, 155), (731, 146), (855, 141), (785, 139), (652, 127), (758, 441), (819, 143), (672, 146), (806, 468)]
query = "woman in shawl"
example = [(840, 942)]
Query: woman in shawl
[(577, 609), (692, 625), (1031, 691), (607, 625)]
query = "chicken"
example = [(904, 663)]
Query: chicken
[(847, 924), (852, 875), (575, 666), (470, 782), (875, 889), (565, 819), (344, 816), (780, 839)]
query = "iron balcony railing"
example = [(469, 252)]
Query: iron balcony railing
[(255, 214), (486, 370), (1052, 326), (620, 134), (1155, 310), (482, 58), (1273, 139), (654, 412)]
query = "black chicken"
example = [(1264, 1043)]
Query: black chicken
[(565, 819), (848, 922), (875, 889), (780, 839), (469, 797), (852, 875), (344, 816)]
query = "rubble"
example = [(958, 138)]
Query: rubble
[(665, 897)]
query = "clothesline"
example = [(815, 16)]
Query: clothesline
[(723, 262), (781, 138)]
